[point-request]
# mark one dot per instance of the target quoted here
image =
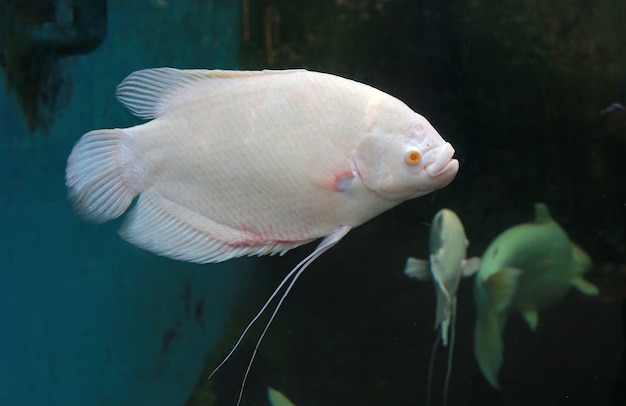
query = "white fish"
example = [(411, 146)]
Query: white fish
[(448, 251), (240, 163), (528, 267)]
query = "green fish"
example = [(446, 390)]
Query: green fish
[(277, 398), (526, 268)]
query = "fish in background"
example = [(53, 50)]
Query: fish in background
[(448, 263), (237, 163), (526, 268), (277, 398)]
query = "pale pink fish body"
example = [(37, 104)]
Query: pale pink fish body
[(251, 163)]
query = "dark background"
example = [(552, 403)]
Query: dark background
[(517, 88)]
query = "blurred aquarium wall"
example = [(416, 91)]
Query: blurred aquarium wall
[(86, 318)]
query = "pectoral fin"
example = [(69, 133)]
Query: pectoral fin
[(330, 168), (584, 286), (470, 266), (417, 269), (501, 288)]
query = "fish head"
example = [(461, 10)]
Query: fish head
[(448, 247), (447, 228), (405, 162)]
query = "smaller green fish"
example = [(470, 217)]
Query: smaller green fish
[(448, 247), (277, 398), (526, 268)]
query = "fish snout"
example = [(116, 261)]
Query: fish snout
[(442, 165)]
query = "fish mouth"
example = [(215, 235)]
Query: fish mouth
[(447, 174), (443, 165)]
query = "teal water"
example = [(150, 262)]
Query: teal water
[(87, 319)]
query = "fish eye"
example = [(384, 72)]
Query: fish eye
[(413, 157)]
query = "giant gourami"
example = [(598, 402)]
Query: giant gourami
[(238, 163), (447, 264), (526, 268)]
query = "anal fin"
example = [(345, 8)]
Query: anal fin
[(169, 229)]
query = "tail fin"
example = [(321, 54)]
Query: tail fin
[(493, 297), (100, 176), (488, 348)]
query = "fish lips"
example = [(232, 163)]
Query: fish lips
[(443, 168)]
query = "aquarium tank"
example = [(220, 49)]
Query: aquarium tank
[(531, 95)]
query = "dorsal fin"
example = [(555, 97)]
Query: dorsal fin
[(501, 287), (542, 214), (147, 92)]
